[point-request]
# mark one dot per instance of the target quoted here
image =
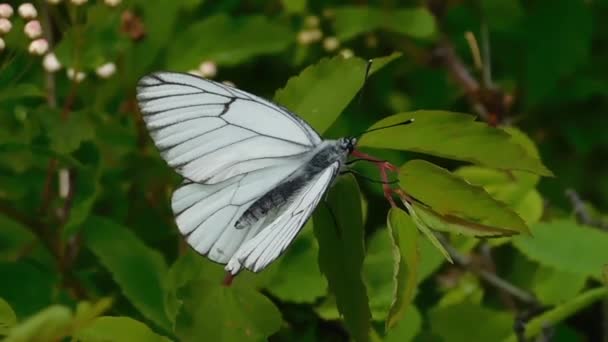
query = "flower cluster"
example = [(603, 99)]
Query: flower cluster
[(311, 33)]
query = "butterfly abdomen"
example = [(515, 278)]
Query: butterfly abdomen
[(275, 199)]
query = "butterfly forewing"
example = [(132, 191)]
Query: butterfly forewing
[(234, 149)]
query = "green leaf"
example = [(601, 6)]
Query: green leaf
[(550, 318), (502, 15), (296, 276), (212, 312), (86, 190), (456, 200), (351, 21), (430, 259), (555, 243), (57, 322), (455, 136), (116, 329), (8, 318), (469, 322), (139, 270), (320, 92), (294, 6), (407, 328), (50, 324), (467, 289), (422, 226), (102, 27), (14, 237), (404, 237), (378, 269), (553, 286), (341, 254), (228, 41), (453, 224), (546, 33), (27, 287), (66, 135), (515, 188), (21, 91)]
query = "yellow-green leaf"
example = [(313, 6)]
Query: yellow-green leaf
[(454, 136), (565, 245), (452, 197), (341, 255), (320, 92), (406, 259), (117, 329), (7, 317)]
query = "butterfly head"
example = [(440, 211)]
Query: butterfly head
[(348, 144)]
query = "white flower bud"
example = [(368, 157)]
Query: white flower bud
[(309, 36), (76, 76), (78, 2), (208, 69), (6, 11), (27, 11), (51, 63), (346, 53), (33, 29), (311, 21), (331, 43), (64, 183), (112, 3), (38, 47), (106, 70), (5, 26), (2, 44), (53, 2)]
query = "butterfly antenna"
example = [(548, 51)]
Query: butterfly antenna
[(402, 123), (368, 67)]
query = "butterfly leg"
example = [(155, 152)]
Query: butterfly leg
[(383, 167)]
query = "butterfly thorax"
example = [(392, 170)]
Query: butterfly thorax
[(327, 153)]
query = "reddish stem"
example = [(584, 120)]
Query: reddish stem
[(228, 279), (383, 166)]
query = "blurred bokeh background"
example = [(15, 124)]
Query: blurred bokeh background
[(75, 157)]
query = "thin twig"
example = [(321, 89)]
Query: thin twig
[(486, 71), (582, 212), (489, 277)]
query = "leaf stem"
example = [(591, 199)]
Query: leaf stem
[(489, 277)]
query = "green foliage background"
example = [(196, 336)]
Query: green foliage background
[(486, 190)]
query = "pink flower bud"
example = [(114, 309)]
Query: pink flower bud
[(5, 26), (2, 44), (33, 29), (112, 3), (27, 11), (106, 70), (6, 11), (208, 69), (51, 63), (38, 47)]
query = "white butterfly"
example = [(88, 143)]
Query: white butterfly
[(254, 172)]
